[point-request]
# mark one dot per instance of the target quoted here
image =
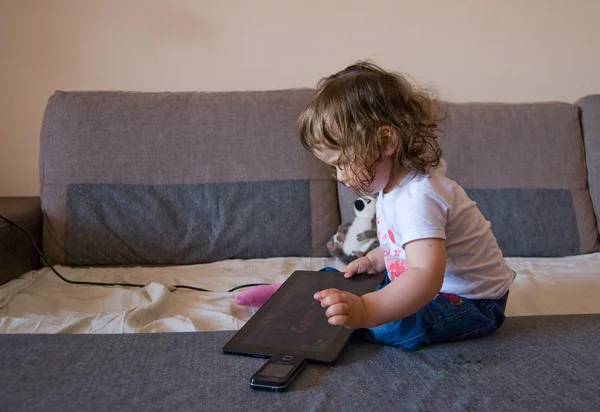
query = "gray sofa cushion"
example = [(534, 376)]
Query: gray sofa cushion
[(181, 178), (590, 122), (529, 364), (524, 166)]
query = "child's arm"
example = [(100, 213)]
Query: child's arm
[(415, 288)]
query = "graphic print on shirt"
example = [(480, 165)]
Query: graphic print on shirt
[(394, 256)]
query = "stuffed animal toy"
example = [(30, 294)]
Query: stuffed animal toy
[(356, 239), (351, 241)]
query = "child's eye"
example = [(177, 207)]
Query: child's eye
[(333, 171)]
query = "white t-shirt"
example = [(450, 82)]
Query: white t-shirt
[(433, 206)]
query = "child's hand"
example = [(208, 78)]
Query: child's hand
[(360, 265), (343, 308)]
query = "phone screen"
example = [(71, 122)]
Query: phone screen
[(277, 370)]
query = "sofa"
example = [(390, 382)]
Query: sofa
[(213, 191)]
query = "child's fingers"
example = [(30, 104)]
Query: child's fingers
[(350, 270), (338, 320), (360, 265), (324, 293), (333, 299), (337, 310)]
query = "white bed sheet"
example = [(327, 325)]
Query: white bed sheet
[(39, 302)]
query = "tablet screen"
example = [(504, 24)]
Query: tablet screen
[(292, 322)]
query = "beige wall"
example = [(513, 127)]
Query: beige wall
[(503, 50)]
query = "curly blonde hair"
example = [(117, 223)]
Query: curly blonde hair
[(353, 105)]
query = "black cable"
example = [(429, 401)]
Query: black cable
[(73, 282), (247, 286)]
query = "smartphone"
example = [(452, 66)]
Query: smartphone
[(278, 373)]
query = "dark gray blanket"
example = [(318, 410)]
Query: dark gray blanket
[(531, 363)]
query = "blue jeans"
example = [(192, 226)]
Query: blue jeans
[(446, 318)]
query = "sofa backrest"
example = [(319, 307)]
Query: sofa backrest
[(180, 178), (524, 166), (590, 121)]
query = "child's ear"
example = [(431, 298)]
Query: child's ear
[(390, 140)]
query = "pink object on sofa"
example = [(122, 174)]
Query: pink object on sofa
[(256, 296)]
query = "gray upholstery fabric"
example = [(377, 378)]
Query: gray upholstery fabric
[(522, 146), (499, 145), (590, 122), (530, 363), (162, 139), (530, 222), (346, 199), (525, 151), (183, 224), (17, 253)]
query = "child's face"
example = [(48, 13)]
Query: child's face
[(352, 179)]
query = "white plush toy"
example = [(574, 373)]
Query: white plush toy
[(356, 239)]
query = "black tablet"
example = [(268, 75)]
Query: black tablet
[(293, 323)]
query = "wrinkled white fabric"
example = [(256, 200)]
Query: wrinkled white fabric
[(39, 302)]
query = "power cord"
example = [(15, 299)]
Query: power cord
[(73, 282)]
